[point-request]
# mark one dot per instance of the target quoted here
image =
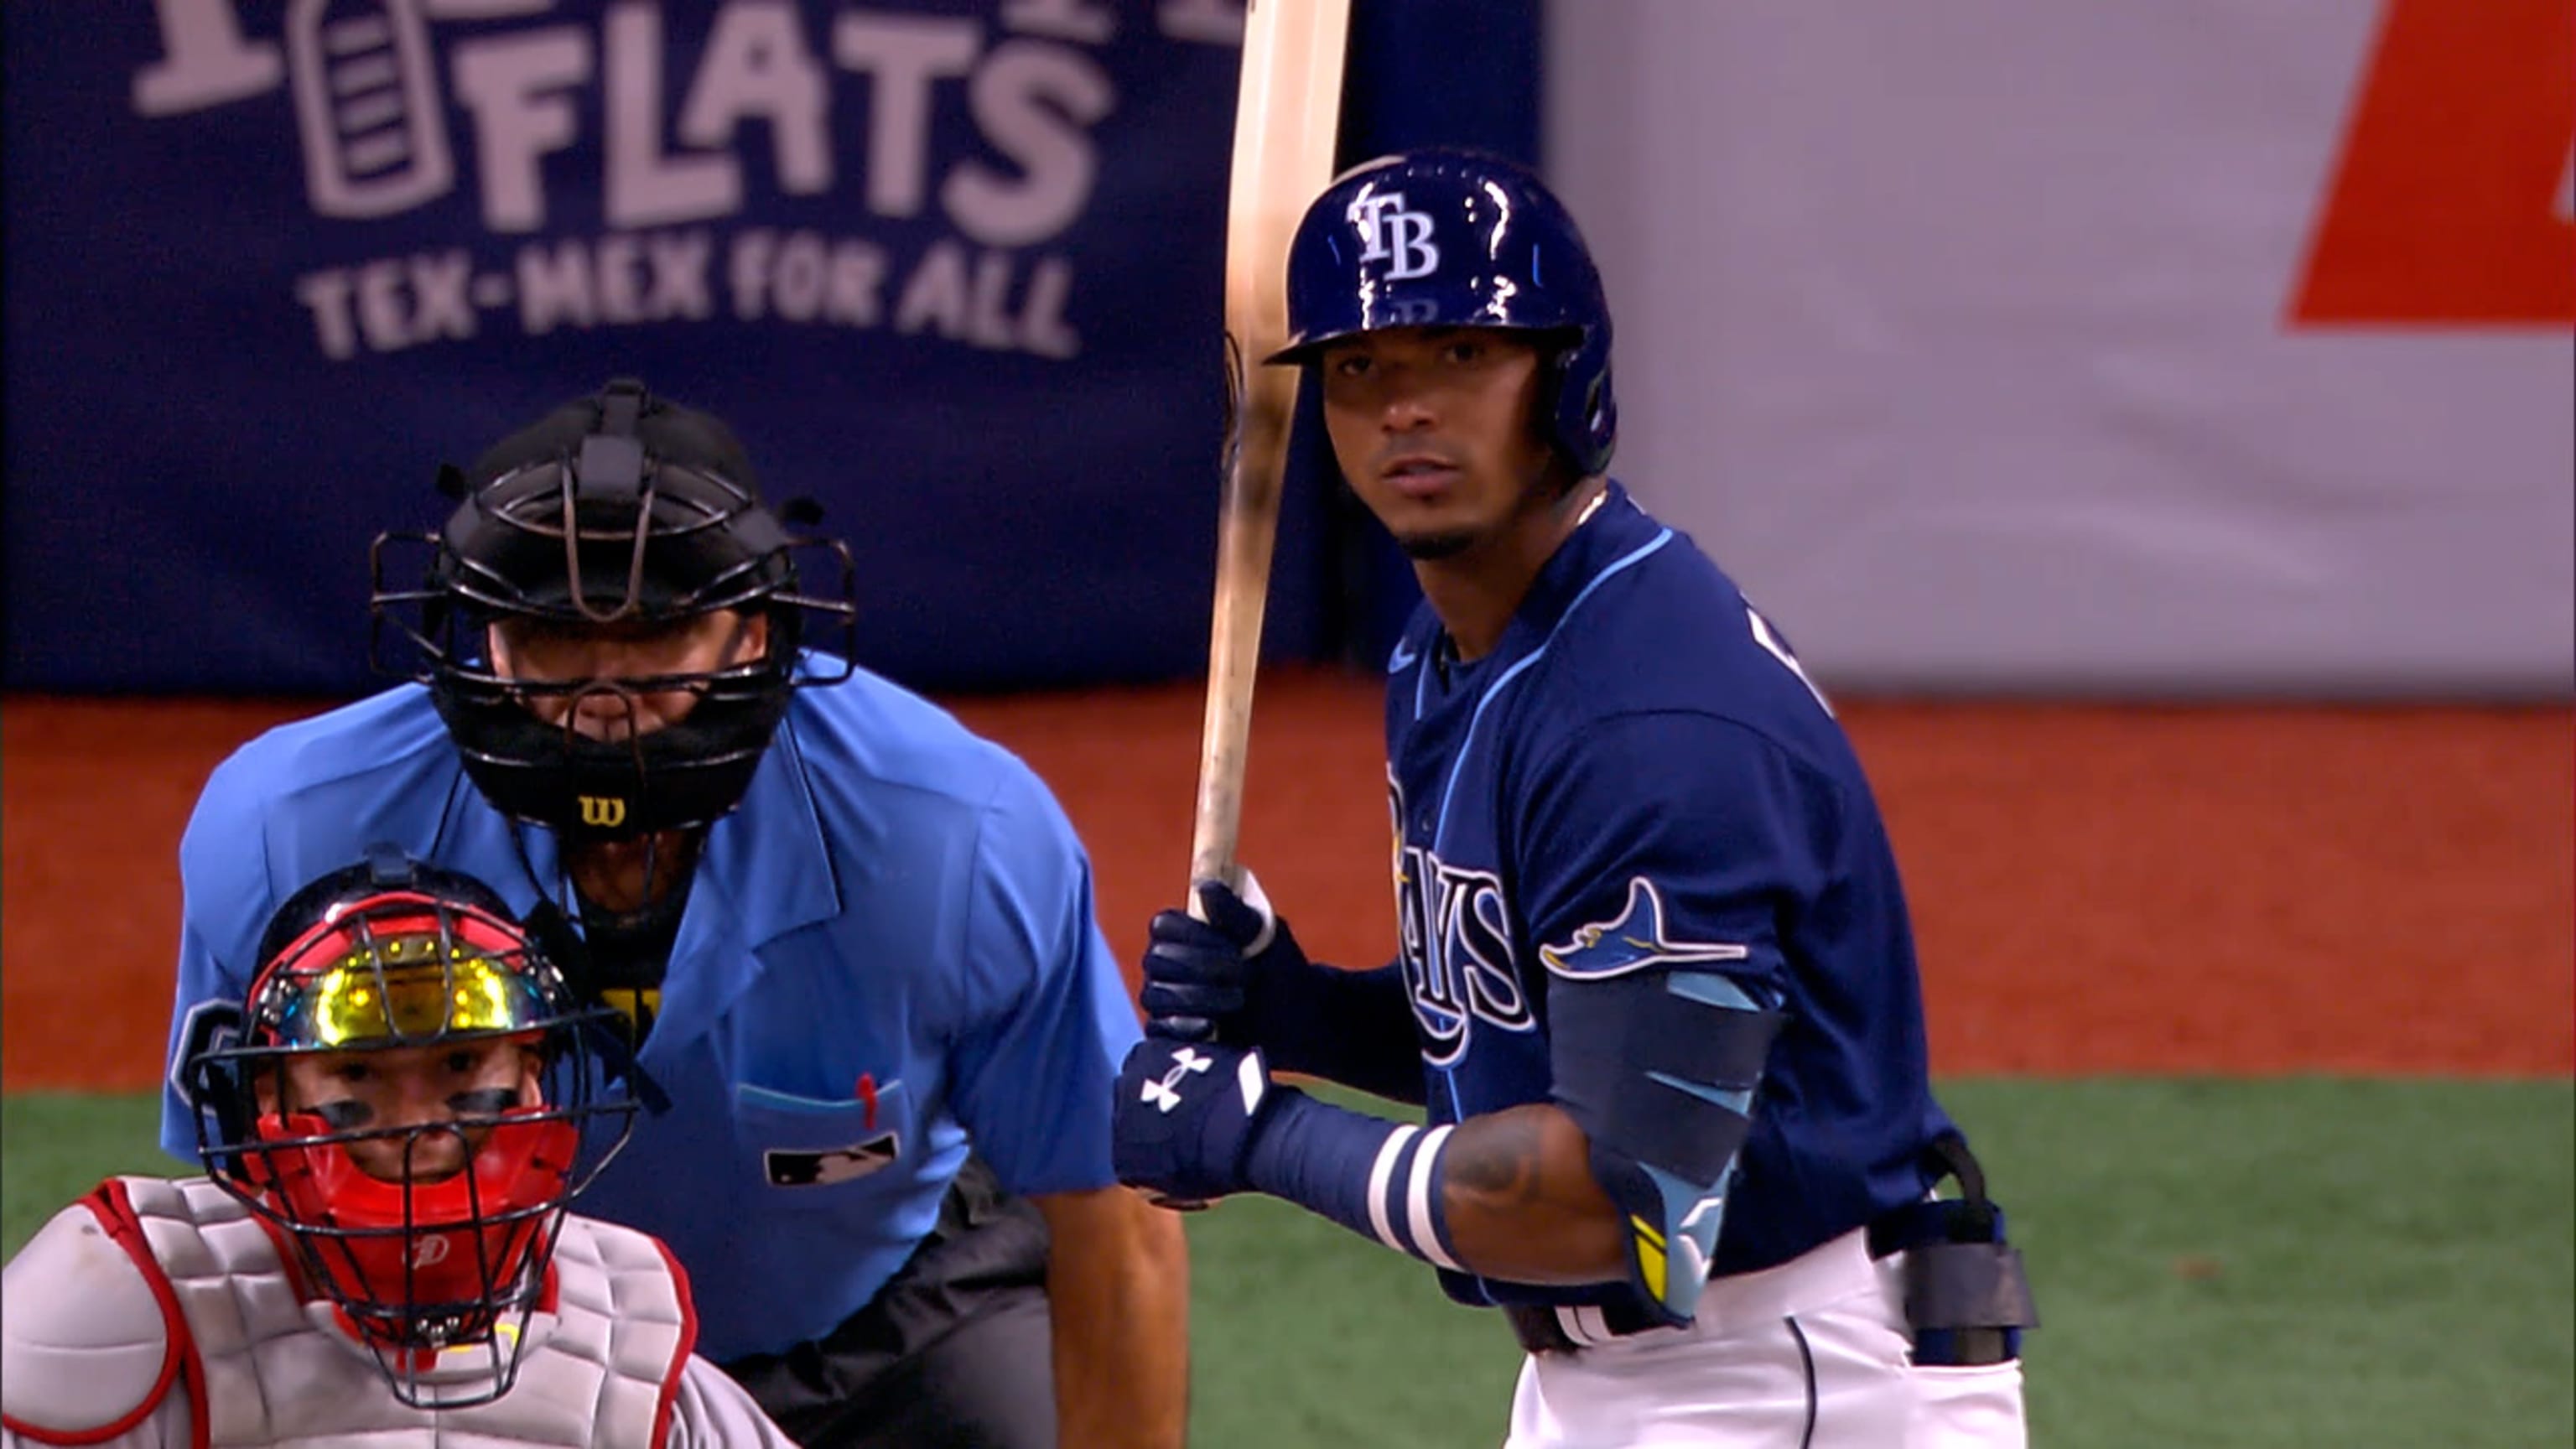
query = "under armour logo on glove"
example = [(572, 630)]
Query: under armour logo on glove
[(1165, 1093), (1173, 1137)]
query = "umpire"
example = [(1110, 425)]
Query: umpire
[(852, 942)]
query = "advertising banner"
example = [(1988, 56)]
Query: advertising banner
[(951, 269)]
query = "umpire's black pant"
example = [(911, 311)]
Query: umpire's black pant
[(953, 1353)]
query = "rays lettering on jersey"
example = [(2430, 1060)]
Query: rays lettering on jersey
[(1455, 927)]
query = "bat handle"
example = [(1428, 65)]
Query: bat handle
[(1228, 875)]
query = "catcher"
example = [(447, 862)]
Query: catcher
[(380, 1252)]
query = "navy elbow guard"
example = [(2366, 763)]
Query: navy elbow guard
[(1661, 1085)]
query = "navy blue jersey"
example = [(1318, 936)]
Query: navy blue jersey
[(1640, 774)]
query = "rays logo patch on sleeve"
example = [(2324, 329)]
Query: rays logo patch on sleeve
[(1633, 940), (824, 1166)]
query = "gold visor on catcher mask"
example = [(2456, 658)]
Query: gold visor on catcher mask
[(405, 989)]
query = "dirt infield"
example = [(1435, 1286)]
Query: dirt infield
[(2097, 888)]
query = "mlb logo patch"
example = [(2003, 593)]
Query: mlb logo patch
[(824, 1166)]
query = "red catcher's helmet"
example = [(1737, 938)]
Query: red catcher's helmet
[(437, 1273)]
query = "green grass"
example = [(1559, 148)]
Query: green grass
[(56, 1146), (2293, 1263), (2220, 1264)]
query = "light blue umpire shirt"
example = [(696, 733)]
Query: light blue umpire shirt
[(896, 900)]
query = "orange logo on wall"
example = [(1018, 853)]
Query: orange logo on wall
[(2450, 204)]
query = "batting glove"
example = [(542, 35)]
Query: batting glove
[(1203, 976), (1186, 1118)]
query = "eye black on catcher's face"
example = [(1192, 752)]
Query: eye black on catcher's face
[(393, 1090), (1436, 429)]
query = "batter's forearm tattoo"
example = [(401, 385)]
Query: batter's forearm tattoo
[(1499, 1162)]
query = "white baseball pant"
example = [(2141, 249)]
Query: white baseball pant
[(1811, 1354)]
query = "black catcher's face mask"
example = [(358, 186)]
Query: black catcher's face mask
[(611, 629)]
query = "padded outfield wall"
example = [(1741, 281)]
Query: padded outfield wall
[(2129, 347)]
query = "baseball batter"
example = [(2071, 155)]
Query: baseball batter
[(380, 1252), (1656, 985)]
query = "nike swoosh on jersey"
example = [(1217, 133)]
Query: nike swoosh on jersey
[(1402, 659)]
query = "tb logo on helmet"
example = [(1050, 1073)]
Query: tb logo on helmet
[(1391, 234)]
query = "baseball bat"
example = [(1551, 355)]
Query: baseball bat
[(1285, 115)]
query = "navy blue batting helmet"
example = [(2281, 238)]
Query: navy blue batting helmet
[(1453, 238)]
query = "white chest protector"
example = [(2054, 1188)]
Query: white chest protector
[(146, 1284)]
